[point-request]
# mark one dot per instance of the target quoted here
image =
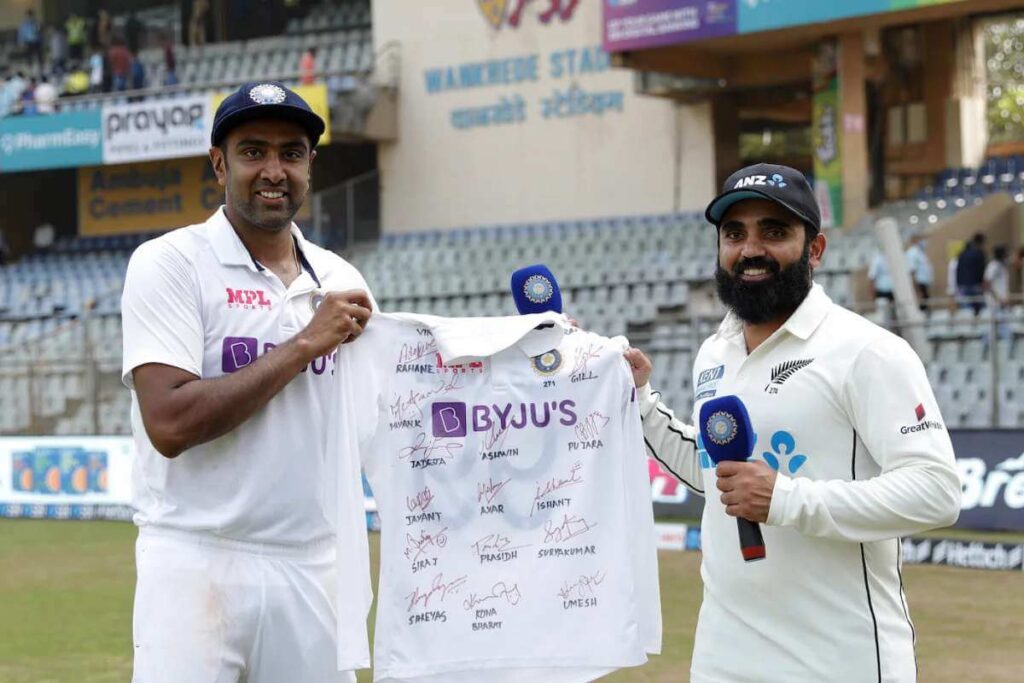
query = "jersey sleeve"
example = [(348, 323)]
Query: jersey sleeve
[(160, 311), (669, 440), (918, 487)]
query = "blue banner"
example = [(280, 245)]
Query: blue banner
[(51, 141)]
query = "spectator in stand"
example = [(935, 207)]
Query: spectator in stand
[(58, 50), (101, 29), (46, 96), (920, 269), (28, 99), (120, 64), (170, 62), (97, 70), (9, 94), (77, 80), (996, 282), (75, 26), (307, 67), (970, 274), (138, 78), (133, 33), (953, 249), (197, 24), (881, 282), (30, 39)]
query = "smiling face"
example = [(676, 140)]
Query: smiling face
[(263, 166), (765, 260)]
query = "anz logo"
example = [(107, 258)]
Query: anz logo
[(774, 180), (784, 453)]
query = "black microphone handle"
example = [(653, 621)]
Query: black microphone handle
[(751, 541)]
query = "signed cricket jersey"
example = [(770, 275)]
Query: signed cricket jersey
[(517, 532)]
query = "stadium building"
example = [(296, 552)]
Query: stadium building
[(468, 138)]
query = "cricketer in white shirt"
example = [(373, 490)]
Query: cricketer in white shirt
[(843, 410), (236, 546), (517, 530), (850, 453)]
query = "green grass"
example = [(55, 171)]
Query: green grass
[(66, 597)]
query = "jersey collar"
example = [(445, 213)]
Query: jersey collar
[(230, 251)]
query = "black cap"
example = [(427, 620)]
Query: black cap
[(265, 99), (783, 185)]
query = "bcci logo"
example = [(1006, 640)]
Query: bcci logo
[(267, 93), (547, 364), (538, 289), (497, 13), (722, 427)]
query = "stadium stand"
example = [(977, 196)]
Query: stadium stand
[(647, 293)]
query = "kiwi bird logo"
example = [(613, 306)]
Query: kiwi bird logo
[(499, 13)]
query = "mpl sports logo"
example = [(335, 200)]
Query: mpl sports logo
[(451, 419), (499, 13), (247, 299), (922, 424)]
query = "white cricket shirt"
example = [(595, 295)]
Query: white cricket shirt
[(195, 299), (843, 410), (517, 531)]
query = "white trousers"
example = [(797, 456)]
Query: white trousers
[(210, 610)]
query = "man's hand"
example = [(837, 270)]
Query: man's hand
[(339, 319), (639, 365), (746, 489)]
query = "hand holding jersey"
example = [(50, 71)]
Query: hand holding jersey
[(340, 318)]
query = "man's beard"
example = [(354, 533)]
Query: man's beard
[(761, 302), (271, 221)]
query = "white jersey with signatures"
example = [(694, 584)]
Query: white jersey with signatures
[(517, 532)]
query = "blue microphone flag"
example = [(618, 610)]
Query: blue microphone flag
[(726, 429), (535, 290)]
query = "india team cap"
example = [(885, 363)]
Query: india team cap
[(265, 99), (783, 185)]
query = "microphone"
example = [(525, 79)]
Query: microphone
[(728, 435), (535, 290)]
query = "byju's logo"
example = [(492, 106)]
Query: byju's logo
[(452, 419), (238, 352), (449, 419), (783, 449), (247, 298)]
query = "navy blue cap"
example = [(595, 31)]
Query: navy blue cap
[(265, 99), (783, 185)]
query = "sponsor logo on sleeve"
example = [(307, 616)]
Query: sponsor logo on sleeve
[(922, 424)]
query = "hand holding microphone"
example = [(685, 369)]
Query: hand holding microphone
[(746, 486)]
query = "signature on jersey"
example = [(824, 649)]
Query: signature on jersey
[(555, 483), (416, 547), (500, 590), (439, 589), (425, 448), (570, 527), (583, 587), (409, 405), (487, 491)]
